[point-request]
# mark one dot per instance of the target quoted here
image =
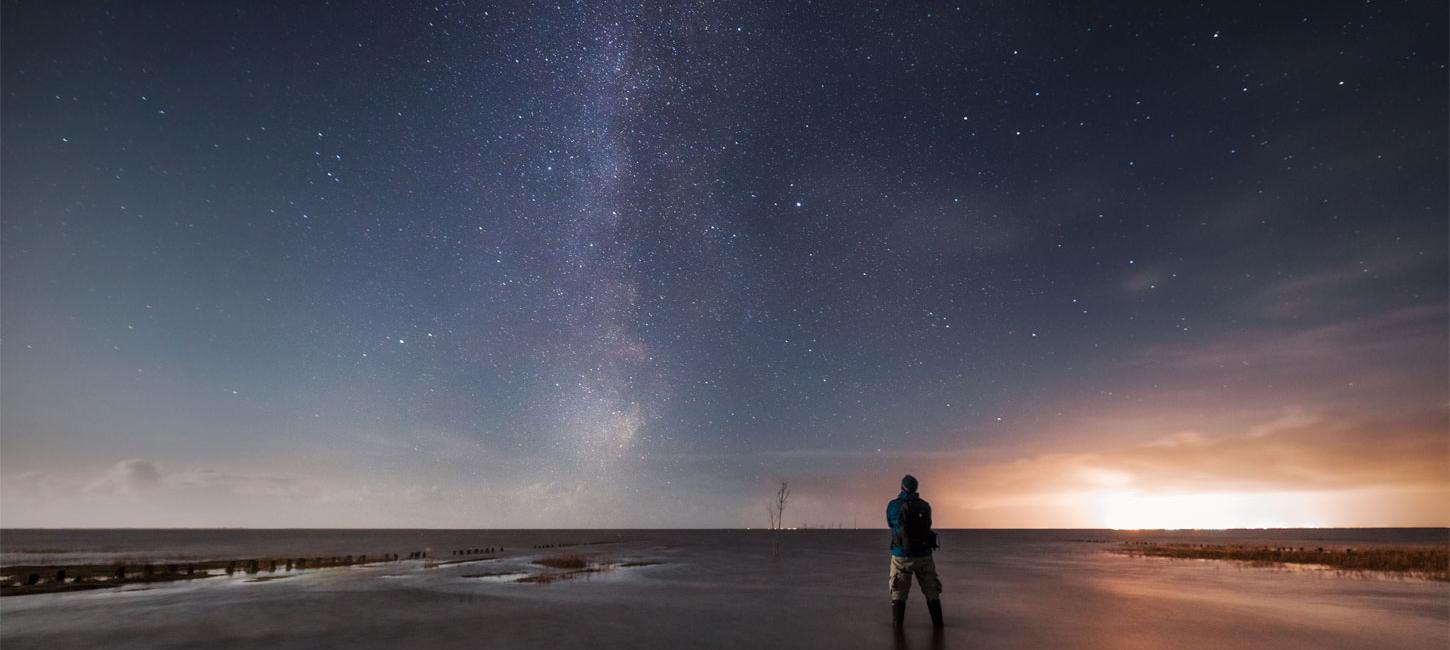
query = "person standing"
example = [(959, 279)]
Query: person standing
[(912, 543)]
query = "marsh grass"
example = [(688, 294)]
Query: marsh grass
[(546, 578), (563, 561), (570, 565), (1424, 562)]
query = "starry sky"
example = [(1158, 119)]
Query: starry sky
[(594, 264)]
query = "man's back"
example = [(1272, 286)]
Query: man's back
[(909, 517)]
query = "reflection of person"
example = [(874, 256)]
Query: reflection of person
[(912, 542)]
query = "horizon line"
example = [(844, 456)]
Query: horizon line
[(1120, 530)]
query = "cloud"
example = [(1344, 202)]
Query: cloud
[(140, 493), (243, 485), (1293, 418), (1411, 330), (1349, 279), (128, 477)]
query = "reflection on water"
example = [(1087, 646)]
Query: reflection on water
[(936, 639), (726, 589)]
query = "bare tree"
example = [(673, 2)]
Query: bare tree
[(777, 514), (777, 509)]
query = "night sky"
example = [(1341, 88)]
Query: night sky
[(595, 264)]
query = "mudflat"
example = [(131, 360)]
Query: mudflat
[(723, 589)]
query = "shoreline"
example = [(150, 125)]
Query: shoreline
[(33, 579)]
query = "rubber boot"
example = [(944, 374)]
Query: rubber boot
[(898, 613), (934, 606)]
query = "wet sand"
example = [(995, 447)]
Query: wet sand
[(728, 589)]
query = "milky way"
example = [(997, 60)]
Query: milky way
[(601, 264)]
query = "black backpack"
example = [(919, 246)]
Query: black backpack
[(914, 518)]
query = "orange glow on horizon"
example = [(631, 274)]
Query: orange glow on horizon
[(1131, 511)]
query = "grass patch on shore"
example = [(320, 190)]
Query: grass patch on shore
[(1424, 562), (556, 576), (563, 561), (570, 565)]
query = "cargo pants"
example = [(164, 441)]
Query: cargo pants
[(924, 568)]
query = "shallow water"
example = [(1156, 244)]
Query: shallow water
[(725, 589)]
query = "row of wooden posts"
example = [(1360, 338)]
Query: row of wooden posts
[(255, 566), (476, 551), (122, 572)]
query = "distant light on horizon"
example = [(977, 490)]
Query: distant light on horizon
[(1132, 511)]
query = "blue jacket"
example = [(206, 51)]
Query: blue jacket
[(892, 520)]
